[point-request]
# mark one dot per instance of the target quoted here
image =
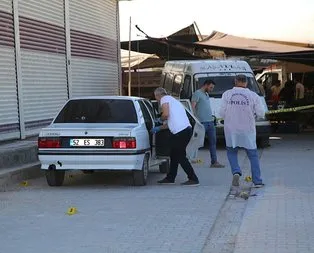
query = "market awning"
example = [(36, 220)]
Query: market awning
[(303, 57), (170, 51), (240, 46), (140, 60)]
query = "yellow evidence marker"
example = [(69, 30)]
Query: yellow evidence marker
[(24, 183), (248, 179), (72, 211)]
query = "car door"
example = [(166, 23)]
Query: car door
[(197, 139), (149, 121), (187, 104)]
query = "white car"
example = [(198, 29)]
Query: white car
[(107, 133)]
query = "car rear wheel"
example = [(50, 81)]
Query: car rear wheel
[(164, 167), (140, 176), (55, 177)]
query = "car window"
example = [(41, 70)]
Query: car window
[(146, 115), (150, 108), (98, 111)]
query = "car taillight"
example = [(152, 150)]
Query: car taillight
[(49, 142), (121, 143)]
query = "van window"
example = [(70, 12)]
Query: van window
[(224, 81), (176, 88), (186, 92), (168, 83), (98, 111), (268, 79), (162, 80)]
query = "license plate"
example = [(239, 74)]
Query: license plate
[(87, 142)]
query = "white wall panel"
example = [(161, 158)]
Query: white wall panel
[(9, 116), (93, 77), (94, 16), (44, 84)]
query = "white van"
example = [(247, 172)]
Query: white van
[(182, 78)]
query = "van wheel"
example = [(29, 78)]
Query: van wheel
[(164, 167), (140, 176), (55, 177), (263, 142)]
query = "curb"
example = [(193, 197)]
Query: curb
[(11, 176)]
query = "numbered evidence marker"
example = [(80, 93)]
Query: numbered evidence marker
[(24, 183), (71, 211), (248, 179)]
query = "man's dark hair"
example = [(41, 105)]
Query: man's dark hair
[(208, 82), (241, 78)]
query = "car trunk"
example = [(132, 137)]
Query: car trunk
[(80, 135)]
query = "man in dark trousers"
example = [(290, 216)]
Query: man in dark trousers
[(181, 132)]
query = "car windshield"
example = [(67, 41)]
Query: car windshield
[(224, 81), (98, 111)]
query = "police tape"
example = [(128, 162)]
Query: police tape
[(293, 109)]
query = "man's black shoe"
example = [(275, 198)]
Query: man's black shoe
[(191, 183), (165, 181)]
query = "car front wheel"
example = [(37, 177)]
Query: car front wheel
[(140, 176)]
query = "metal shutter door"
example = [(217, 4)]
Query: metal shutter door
[(43, 61), (9, 117), (94, 47)]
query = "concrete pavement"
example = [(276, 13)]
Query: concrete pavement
[(113, 216), (116, 217), (280, 219)]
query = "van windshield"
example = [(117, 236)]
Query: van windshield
[(224, 81)]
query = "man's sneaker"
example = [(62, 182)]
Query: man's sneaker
[(259, 185), (165, 181), (236, 179), (217, 165), (191, 183)]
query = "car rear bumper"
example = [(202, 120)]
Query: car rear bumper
[(63, 161)]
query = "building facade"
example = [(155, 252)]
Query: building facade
[(52, 50)]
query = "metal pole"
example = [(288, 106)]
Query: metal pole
[(198, 30), (129, 83), (19, 69)]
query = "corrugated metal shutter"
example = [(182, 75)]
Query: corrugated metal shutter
[(94, 47), (43, 61), (9, 119)]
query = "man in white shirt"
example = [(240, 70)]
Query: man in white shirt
[(240, 107), (299, 90), (179, 125)]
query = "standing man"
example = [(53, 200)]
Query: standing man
[(299, 90), (240, 107), (179, 125), (203, 111)]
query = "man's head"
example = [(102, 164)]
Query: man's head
[(241, 81), (208, 85), (159, 93)]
